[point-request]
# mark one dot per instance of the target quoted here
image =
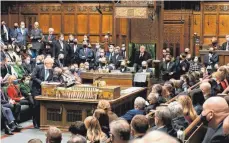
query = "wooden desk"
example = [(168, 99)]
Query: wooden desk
[(123, 80), (120, 79), (223, 56), (62, 112)]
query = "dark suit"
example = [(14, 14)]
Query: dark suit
[(47, 47), (182, 67), (73, 53), (28, 67), (138, 59), (225, 46), (116, 60), (60, 49), (5, 35), (218, 136), (166, 129), (124, 70), (37, 35), (13, 33), (5, 69), (211, 61), (109, 57), (15, 108), (21, 37), (7, 114), (86, 54), (59, 63), (166, 70), (38, 76)]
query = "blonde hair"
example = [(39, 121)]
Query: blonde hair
[(11, 79), (94, 131), (188, 108), (104, 104), (218, 75)]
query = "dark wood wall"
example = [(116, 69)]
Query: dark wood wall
[(173, 28)]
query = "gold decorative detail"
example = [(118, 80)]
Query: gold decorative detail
[(224, 7), (131, 12), (69, 8), (210, 7)]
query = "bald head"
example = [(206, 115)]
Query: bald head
[(54, 135), (216, 110), (77, 139), (205, 88), (157, 137)]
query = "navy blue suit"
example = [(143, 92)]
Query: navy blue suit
[(86, 56), (15, 108), (131, 113), (21, 37)]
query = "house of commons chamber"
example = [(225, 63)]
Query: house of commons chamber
[(114, 71)]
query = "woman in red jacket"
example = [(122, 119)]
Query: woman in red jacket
[(14, 92)]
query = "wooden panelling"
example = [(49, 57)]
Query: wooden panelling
[(107, 23), (56, 23), (94, 24), (209, 24), (123, 26), (196, 24), (82, 23), (207, 41), (44, 22), (14, 18), (94, 39), (69, 25), (80, 39), (223, 24)]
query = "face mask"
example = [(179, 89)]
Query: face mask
[(23, 27), (38, 61), (214, 43), (71, 39), (62, 39), (15, 82), (75, 43), (15, 27), (76, 69), (19, 63), (97, 47), (101, 54), (27, 62), (17, 50), (167, 60), (204, 120), (6, 50), (186, 53), (123, 48), (144, 67), (227, 39), (85, 46), (122, 66), (195, 60), (210, 52), (72, 70)]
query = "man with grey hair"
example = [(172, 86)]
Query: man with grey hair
[(36, 36), (40, 75), (77, 139), (48, 41), (205, 87), (119, 131), (139, 105), (163, 121), (152, 98), (141, 55), (178, 120), (53, 135)]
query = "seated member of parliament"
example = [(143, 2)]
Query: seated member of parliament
[(225, 45), (141, 55)]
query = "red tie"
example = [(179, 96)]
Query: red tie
[(49, 37)]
